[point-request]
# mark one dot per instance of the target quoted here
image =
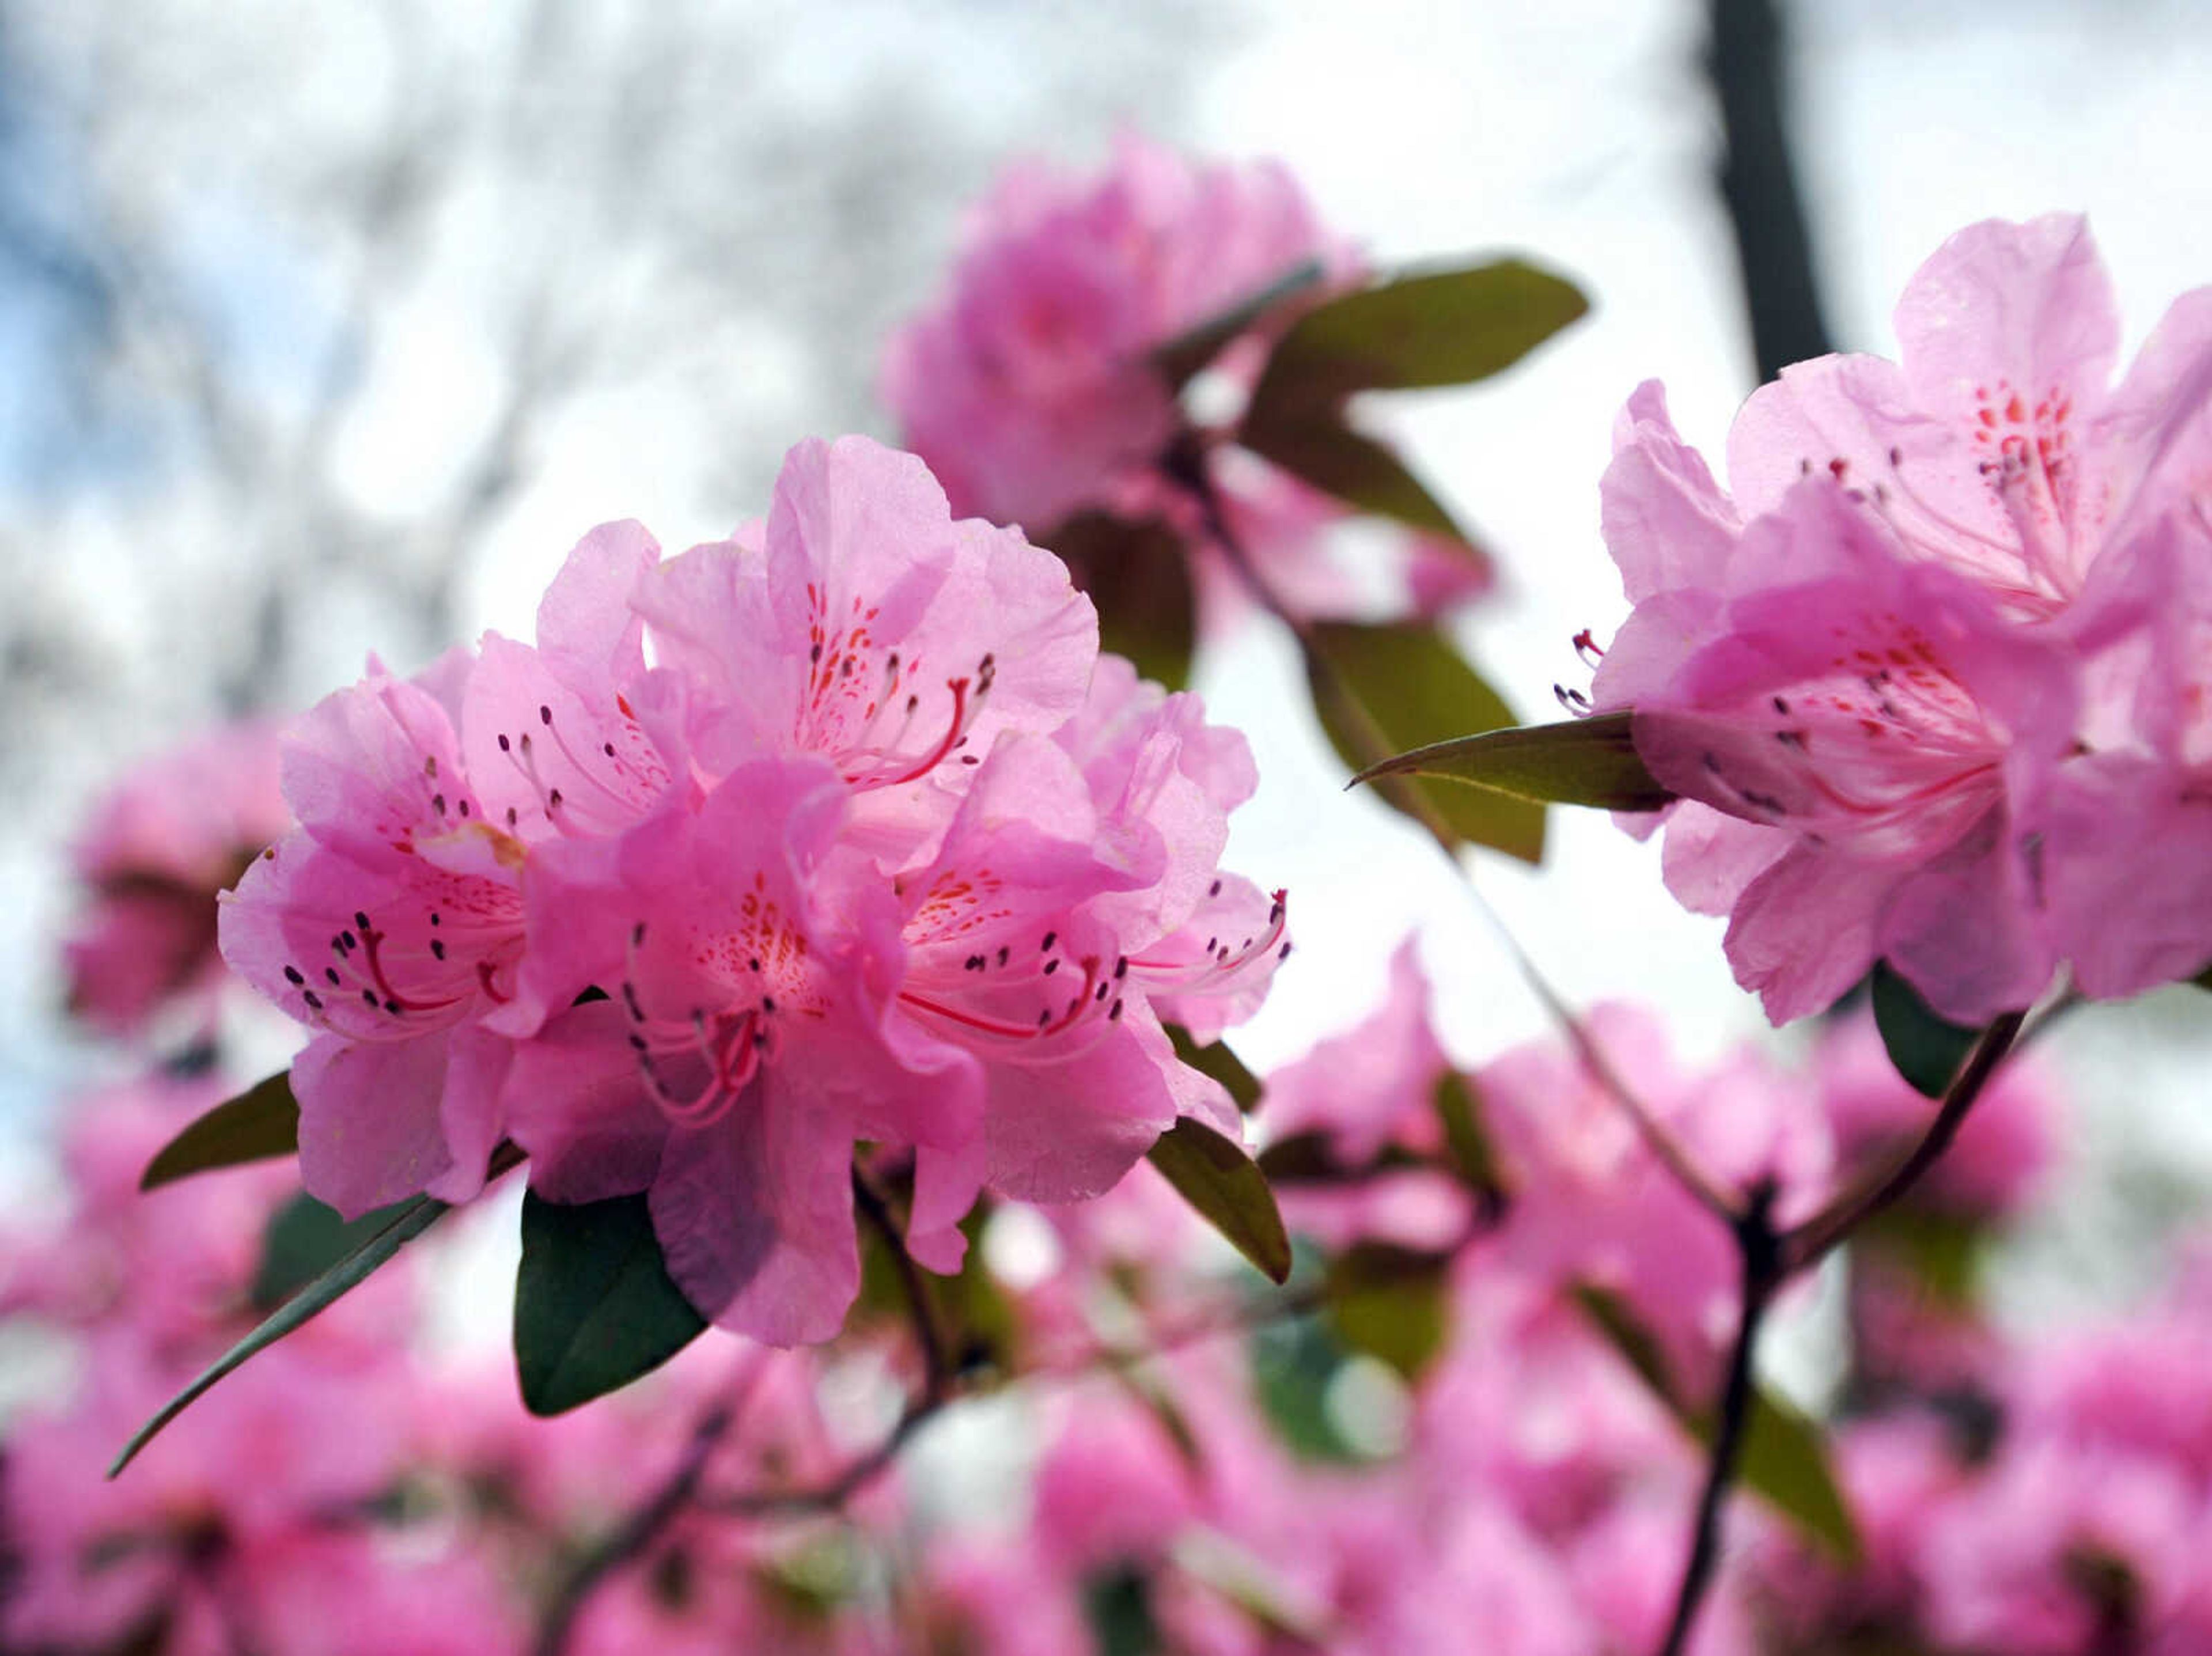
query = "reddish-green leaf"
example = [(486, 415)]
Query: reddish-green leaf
[(1582, 761), (1216, 1060), (1228, 1190), (261, 1122), (1925, 1049), (1137, 575), (1426, 328), (1381, 690), (1355, 469)]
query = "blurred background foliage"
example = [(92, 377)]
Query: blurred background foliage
[(331, 326)]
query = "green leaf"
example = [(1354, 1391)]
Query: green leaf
[(1137, 575), (1582, 761), (1227, 1187), (1637, 1344), (1311, 1158), (1439, 327), (1459, 1112), (1389, 1302), (1117, 1604), (1191, 350), (1785, 1456), (1942, 1250), (1355, 469), (408, 1220), (594, 1307), (1381, 690), (1925, 1049), (1302, 1158), (1218, 1061), (1291, 1364), (304, 1238), (261, 1122)]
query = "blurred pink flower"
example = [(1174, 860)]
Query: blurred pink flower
[(156, 849), (2001, 1158), (1369, 1090), (1590, 1203), (1030, 390)]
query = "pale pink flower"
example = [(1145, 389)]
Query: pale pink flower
[(1903, 778), (155, 851), (1996, 445), (1840, 719)]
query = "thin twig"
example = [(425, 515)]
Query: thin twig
[(1764, 1270), (1184, 463), (1808, 1243), (920, 1304), (636, 1534), (937, 1388)]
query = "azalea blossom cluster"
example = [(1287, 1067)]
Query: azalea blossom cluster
[(1033, 391), (873, 847), (1218, 1470), (1930, 676)]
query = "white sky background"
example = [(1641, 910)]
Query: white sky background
[(1575, 132)]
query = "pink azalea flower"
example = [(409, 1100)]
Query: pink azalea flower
[(389, 922), (392, 922), (1901, 778), (174, 1266), (1028, 391), (871, 853), (209, 1520), (1996, 445), (1530, 1402), (2055, 1547), (2116, 825), (1839, 718), (157, 848)]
